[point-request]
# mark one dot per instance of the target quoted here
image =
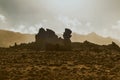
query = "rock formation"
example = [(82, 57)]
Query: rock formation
[(40, 37), (67, 35), (51, 37), (48, 36)]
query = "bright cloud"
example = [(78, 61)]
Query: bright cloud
[(2, 18), (117, 26), (68, 21)]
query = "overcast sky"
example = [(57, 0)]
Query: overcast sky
[(82, 16)]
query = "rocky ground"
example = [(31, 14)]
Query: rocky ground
[(52, 65)]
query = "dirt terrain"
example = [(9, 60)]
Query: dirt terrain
[(60, 65)]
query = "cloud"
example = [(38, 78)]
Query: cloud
[(117, 26), (31, 30), (82, 16), (88, 24), (77, 25), (112, 31), (2, 18), (69, 22)]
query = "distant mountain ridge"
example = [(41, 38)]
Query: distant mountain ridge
[(94, 38), (8, 38)]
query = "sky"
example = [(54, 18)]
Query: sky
[(81, 16)]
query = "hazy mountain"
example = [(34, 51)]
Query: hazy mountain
[(8, 38), (94, 38)]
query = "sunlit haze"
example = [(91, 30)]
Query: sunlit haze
[(81, 16)]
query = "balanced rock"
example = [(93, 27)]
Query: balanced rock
[(67, 35)]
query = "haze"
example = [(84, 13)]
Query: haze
[(81, 16)]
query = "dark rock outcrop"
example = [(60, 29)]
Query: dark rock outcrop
[(40, 37), (113, 46), (48, 38), (67, 35), (51, 37)]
